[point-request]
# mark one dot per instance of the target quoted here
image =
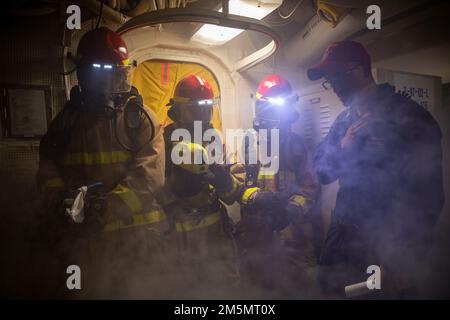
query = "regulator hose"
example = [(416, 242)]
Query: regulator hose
[(133, 114)]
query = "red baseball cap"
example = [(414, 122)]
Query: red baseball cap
[(336, 57)]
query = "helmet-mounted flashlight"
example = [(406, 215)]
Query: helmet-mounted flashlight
[(280, 101), (277, 101), (205, 102)]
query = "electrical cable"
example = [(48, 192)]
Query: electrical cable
[(291, 13), (279, 24), (100, 13), (285, 19), (69, 72)]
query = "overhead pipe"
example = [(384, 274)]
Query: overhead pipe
[(225, 7), (141, 7), (33, 10), (161, 4), (108, 12)]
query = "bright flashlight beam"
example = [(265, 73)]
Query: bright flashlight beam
[(276, 101), (205, 102)]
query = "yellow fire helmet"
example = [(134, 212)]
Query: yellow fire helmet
[(191, 157)]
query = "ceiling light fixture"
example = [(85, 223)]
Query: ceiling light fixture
[(217, 35)]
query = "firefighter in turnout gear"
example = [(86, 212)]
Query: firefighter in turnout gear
[(276, 232), (104, 138), (207, 254)]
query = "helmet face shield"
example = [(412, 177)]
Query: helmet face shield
[(279, 101), (275, 103), (121, 79), (106, 78), (190, 114), (193, 100), (190, 111), (271, 112)]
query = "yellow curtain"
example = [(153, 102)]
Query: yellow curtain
[(156, 81)]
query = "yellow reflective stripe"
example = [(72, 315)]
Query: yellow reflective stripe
[(298, 200), (192, 224), (129, 197), (247, 194), (288, 175), (53, 183), (84, 158), (138, 220), (266, 175)]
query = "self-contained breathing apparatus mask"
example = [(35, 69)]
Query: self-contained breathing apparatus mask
[(125, 111), (134, 122), (190, 111), (272, 113)]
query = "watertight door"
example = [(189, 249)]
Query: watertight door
[(156, 81)]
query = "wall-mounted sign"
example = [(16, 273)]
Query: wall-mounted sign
[(27, 110), (424, 89), (420, 88)]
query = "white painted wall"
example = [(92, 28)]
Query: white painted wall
[(430, 61)]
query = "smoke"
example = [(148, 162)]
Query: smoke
[(146, 265), (390, 196)]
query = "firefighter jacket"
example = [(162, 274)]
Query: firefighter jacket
[(277, 250), (84, 145), (294, 181), (81, 147), (201, 226)]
